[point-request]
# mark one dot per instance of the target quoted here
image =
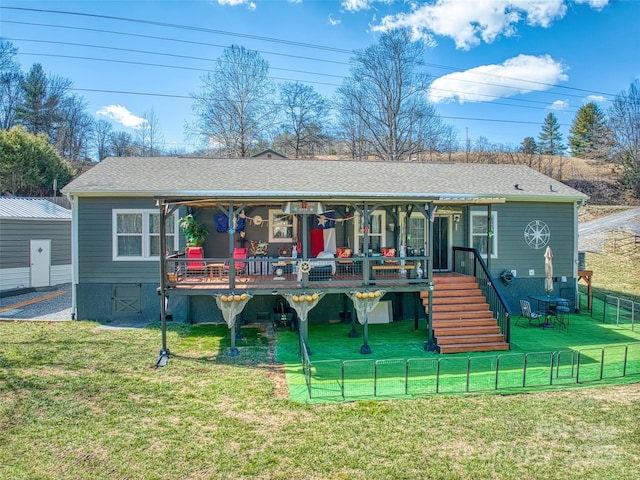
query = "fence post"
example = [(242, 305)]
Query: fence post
[(406, 377), (601, 362)]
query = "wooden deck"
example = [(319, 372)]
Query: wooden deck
[(263, 276)]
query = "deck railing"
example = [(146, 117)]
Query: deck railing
[(266, 272), (469, 262)]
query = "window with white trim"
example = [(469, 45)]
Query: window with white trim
[(478, 232), (282, 226), (377, 231), (136, 234)]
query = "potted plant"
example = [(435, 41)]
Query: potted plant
[(193, 232)]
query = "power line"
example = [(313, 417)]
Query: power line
[(306, 45), (187, 27), (169, 39)]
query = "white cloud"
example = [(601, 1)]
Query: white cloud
[(121, 115), (356, 5), (595, 99), (334, 21), (234, 3), (559, 105), (491, 82), (470, 22), (597, 4)]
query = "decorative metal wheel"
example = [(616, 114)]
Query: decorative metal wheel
[(305, 266), (537, 234)]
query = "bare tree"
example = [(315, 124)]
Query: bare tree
[(351, 128), (387, 92), (149, 136), (624, 116), (101, 136), (235, 108), (304, 113), (122, 144), (75, 130), (10, 91)]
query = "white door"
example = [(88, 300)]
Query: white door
[(40, 262)]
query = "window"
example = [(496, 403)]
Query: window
[(377, 228), (416, 234), (282, 227), (479, 229), (136, 234)]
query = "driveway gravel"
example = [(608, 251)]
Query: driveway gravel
[(592, 235), (50, 304)]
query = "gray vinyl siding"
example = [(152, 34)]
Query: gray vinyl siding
[(513, 251), (15, 237), (95, 261)]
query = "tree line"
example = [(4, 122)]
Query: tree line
[(380, 111)]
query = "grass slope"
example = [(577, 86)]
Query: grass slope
[(79, 401)]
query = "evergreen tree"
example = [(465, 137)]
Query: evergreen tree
[(528, 146), (589, 135), (41, 107), (29, 164), (550, 138)]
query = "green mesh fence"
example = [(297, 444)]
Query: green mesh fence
[(453, 375)]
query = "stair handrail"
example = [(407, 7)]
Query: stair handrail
[(494, 296)]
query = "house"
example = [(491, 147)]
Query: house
[(35, 243), (268, 153), (417, 232)]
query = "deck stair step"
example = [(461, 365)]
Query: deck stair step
[(460, 339), (465, 330), (462, 320), (473, 347)]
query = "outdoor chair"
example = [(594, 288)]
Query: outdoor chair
[(528, 314), (562, 311), (238, 254), (345, 263), (195, 268)]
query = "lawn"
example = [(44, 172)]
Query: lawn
[(78, 401)]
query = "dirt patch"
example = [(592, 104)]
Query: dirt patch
[(275, 371)]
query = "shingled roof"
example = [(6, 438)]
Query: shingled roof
[(296, 178)]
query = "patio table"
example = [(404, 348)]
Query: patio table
[(547, 302)]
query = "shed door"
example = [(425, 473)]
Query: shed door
[(40, 251)]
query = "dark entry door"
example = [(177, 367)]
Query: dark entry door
[(441, 243)]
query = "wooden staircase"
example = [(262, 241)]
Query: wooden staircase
[(462, 320)]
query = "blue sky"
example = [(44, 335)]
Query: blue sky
[(498, 66)]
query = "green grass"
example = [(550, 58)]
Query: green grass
[(80, 402), (398, 346), (83, 402)]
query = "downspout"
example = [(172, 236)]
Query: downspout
[(74, 254)]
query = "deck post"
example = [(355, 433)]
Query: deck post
[(430, 345), (163, 356)]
